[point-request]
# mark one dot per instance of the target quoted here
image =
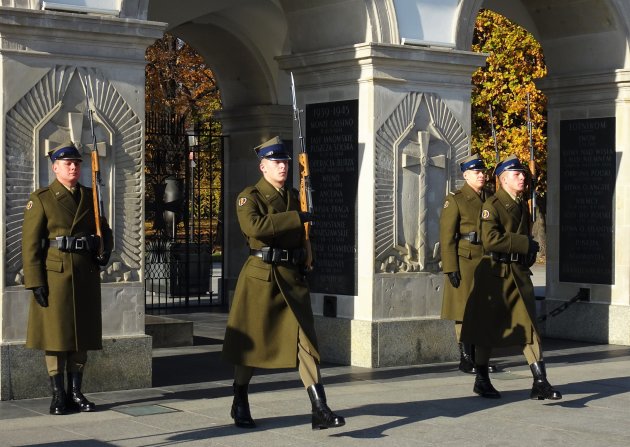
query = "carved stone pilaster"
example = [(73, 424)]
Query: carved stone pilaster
[(52, 110), (418, 149)]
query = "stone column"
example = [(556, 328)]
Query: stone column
[(48, 61), (604, 317), (413, 130)]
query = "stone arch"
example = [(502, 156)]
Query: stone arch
[(589, 37)]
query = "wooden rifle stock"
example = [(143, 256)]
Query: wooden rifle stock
[(306, 192), (96, 178)]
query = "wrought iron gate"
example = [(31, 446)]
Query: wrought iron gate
[(183, 226)]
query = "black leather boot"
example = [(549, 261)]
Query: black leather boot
[(58, 404), (322, 416), (483, 386), (240, 408), (542, 389), (76, 401), (466, 360)]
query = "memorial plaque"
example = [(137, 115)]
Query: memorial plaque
[(333, 146), (587, 186)]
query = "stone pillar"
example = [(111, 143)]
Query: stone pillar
[(48, 61), (245, 128), (413, 130), (604, 317)]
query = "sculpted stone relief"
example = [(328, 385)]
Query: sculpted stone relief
[(418, 150), (52, 112)]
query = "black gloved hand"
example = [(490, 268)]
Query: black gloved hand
[(306, 217), (41, 295), (534, 247), (103, 258), (455, 278)]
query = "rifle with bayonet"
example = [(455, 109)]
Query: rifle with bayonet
[(532, 165), (101, 254), (496, 146), (306, 191)]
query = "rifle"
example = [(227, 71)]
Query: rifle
[(532, 165), (306, 191), (496, 147), (97, 183)]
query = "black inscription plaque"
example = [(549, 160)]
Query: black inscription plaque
[(333, 144), (588, 169)]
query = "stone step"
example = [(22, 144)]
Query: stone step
[(168, 332)]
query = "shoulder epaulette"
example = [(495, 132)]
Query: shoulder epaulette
[(249, 190), (41, 190)]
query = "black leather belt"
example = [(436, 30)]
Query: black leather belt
[(472, 237), (508, 258), (73, 244), (273, 255)]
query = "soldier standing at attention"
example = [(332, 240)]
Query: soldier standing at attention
[(62, 270), (502, 310), (461, 250), (271, 321)]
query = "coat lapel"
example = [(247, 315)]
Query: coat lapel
[(64, 198), (84, 205), (271, 195), (510, 206)]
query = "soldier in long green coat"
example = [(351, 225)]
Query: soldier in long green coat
[(461, 250), (502, 310), (60, 267), (270, 324)]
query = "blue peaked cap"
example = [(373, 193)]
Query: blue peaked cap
[(511, 163), (473, 162), (65, 151), (272, 150)]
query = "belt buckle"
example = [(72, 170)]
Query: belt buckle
[(79, 244), (284, 256), (513, 257)]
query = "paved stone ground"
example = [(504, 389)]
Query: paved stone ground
[(429, 405)]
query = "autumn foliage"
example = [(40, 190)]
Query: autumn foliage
[(515, 61), (179, 82)]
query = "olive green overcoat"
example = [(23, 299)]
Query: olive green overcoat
[(460, 215), (72, 321), (501, 310), (270, 300)]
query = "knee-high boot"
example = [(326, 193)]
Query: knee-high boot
[(76, 400), (541, 388), (240, 407), (58, 404), (322, 416)]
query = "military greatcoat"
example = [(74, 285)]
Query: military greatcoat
[(72, 321), (502, 309), (460, 215), (270, 300)]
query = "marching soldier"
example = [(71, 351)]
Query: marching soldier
[(501, 310), (460, 242), (60, 267), (271, 321)]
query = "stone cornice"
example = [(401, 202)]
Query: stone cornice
[(385, 63), (75, 36), (588, 88), (62, 23)]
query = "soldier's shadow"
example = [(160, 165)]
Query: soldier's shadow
[(412, 412)]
